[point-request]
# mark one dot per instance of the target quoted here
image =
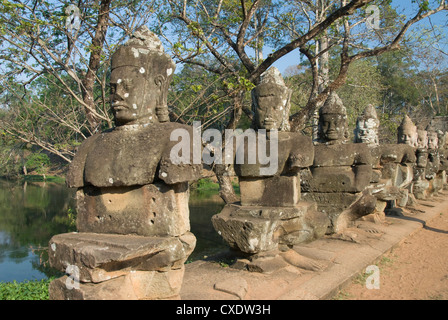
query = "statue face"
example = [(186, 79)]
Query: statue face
[(333, 126), (433, 140), (270, 101), (408, 137), (367, 131), (134, 95), (422, 139)]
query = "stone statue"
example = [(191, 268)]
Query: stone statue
[(271, 215), (407, 132), (422, 138), (341, 171), (443, 156), (367, 127), (333, 125), (391, 163), (132, 199), (433, 165)]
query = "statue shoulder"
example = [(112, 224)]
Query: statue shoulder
[(301, 150), (75, 174), (179, 137)]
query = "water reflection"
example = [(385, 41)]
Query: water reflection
[(203, 205), (31, 213)]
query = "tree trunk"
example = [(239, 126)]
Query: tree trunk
[(88, 82), (223, 171)]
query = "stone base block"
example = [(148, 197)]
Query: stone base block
[(437, 184), (403, 199), (420, 189), (279, 191), (331, 203), (401, 175), (133, 285), (338, 179), (151, 210), (257, 229), (101, 257)]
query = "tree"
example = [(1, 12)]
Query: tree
[(58, 54), (223, 31)]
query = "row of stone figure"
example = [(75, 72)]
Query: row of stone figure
[(321, 189), (132, 200)]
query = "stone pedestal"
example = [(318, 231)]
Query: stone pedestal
[(282, 191), (132, 244), (254, 229), (151, 210), (132, 189), (107, 266)]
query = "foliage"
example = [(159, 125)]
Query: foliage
[(205, 184), (27, 290), (38, 162), (48, 71)]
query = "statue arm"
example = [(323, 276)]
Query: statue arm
[(302, 153), (75, 174)]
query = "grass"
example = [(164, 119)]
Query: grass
[(207, 184), (341, 295), (27, 290), (40, 178)]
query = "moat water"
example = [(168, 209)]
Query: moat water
[(31, 213)]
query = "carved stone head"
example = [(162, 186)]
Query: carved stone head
[(407, 132), (422, 139), (367, 127), (140, 77), (433, 140), (442, 139), (333, 124), (271, 102)]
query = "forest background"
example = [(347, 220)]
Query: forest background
[(55, 66)]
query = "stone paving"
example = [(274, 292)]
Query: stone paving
[(342, 259)]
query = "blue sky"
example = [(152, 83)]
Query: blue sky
[(403, 6)]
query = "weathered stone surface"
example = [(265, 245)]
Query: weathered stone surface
[(271, 102), (376, 176), (237, 286), (392, 153), (121, 157), (346, 179), (403, 199), (270, 212), (388, 193), (422, 158), (101, 257), (367, 127), (267, 265), (407, 132), (295, 151), (151, 210), (362, 207), (400, 175), (332, 204), (132, 180), (437, 184), (281, 191), (422, 138), (342, 155), (134, 285), (257, 229), (333, 123), (420, 189), (433, 164)]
